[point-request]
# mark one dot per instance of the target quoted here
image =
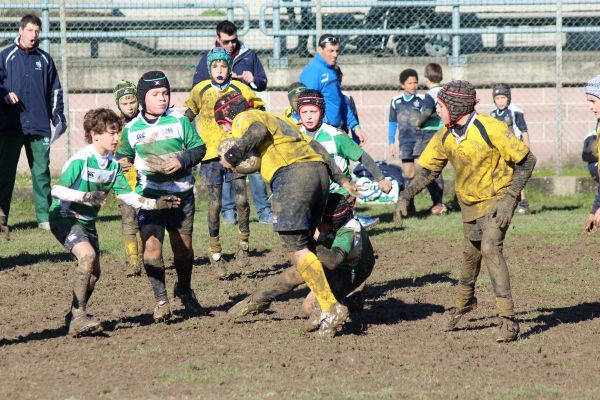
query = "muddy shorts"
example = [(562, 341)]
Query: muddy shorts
[(129, 223), (412, 146), (344, 281), (176, 219), (299, 196), (69, 233), (213, 173)]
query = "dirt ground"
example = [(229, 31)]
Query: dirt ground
[(393, 349)]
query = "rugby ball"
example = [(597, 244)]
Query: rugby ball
[(368, 189), (249, 164)]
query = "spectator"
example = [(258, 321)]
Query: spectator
[(247, 68), (320, 74), (33, 97), (350, 104)]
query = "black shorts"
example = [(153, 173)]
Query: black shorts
[(299, 196), (69, 233), (213, 173), (179, 219), (411, 147)]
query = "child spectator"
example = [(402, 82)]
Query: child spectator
[(405, 111), (81, 190), (164, 146), (128, 106), (590, 152), (515, 119), (592, 92), (430, 123), (200, 104)]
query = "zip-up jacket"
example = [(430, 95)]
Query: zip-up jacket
[(32, 76), (245, 60), (321, 76)]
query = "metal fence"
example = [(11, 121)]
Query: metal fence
[(546, 50)]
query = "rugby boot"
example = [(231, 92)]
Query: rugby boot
[(523, 208), (189, 301), (457, 313), (81, 323), (162, 311), (216, 260), (242, 254), (508, 330), (333, 320), (248, 306)]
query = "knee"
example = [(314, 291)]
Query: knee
[(154, 263), (86, 262), (490, 249)]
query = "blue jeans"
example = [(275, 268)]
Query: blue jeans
[(259, 195)]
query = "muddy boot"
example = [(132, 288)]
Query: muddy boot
[(162, 311), (189, 301), (242, 254), (4, 228), (508, 330), (80, 323), (456, 314), (333, 320), (216, 261), (248, 306)]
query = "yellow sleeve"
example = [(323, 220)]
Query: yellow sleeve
[(193, 101), (434, 157), (249, 95), (511, 149)]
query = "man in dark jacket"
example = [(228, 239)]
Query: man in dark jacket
[(246, 67), (32, 98)]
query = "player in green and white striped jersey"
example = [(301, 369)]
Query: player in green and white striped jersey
[(164, 146), (80, 192)]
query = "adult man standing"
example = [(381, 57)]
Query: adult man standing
[(33, 98), (246, 67), (320, 74)]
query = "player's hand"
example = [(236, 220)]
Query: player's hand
[(169, 201), (223, 161), (393, 150), (400, 211), (589, 224), (362, 135), (385, 185), (505, 210), (125, 164), (11, 98), (350, 186), (94, 199), (172, 165)]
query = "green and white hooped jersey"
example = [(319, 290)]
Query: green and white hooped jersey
[(341, 148), (87, 171), (171, 133)]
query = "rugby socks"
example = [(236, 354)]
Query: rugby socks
[(183, 268), (311, 270), (131, 246), (214, 245), (155, 269)]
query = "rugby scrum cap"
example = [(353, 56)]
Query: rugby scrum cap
[(338, 210), (218, 54), (151, 80), (501, 89), (311, 97), (229, 106), (593, 86), (124, 88), (293, 91), (460, 97)]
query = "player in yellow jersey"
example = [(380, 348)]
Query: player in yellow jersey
[(296, 167), (128, 106), (200, 105), (492, 167)]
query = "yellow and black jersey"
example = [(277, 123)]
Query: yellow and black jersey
[(283, 146), (201, 102), (484, 159)]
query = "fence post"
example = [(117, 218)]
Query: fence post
[(230, 15), (558, 114), (456, 60), (46, 25), (277, 61), (64, 68)]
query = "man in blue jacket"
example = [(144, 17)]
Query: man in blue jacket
[(320, 74), (32, 98), (246, 67)]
